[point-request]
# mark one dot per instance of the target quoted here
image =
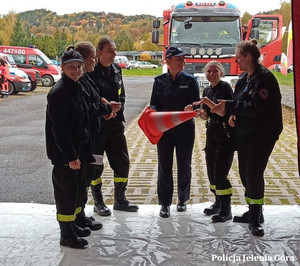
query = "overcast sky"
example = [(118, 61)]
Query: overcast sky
[(125, 7)]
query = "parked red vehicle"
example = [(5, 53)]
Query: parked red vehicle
[(33, 58), (33, 75), (18, 80)]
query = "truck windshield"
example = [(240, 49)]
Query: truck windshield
[(205, 30)]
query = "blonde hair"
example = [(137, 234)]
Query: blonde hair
[(216, 64)]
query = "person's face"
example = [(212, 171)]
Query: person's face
[(213, 75), (108, 54), (73, 70), (90, 61), (176, 63), (244, 62)]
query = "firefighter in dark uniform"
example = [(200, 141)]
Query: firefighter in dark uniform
[(96, 111), (66, 140), (219, 148), (108, 78), (174, 91), (257, 116)]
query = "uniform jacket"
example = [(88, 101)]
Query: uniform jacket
[(110, 84), (92, 98), (221, 91), (257, 106), (67, 125), (168, 95)]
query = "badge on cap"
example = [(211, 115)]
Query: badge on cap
[(263, 93)]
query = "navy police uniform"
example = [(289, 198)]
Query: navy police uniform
[(219, 148), (168, 95), (257, 106)]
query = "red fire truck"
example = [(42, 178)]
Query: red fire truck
[(211, 31)]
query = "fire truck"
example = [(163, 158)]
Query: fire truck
[(211, 31)]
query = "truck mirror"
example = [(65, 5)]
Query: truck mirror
[(156, 24), (187, 23), (155, 36), (254, 34), (255, 22)]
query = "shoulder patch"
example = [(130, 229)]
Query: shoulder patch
[(263, 93)]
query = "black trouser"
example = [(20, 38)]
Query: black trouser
[(182, 139), (69, 191), (253, 157), (112, 141), (219, 152)]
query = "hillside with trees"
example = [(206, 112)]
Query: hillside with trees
[(52, 33)]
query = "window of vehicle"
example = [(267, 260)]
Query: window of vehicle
[(35, 60), (19, 59)]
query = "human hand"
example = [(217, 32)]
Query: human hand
[(115, 106), (188, 108), (219, 108), (75, 165), (111, 115), (231, 120)]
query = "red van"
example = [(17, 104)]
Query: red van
[(31, 57)]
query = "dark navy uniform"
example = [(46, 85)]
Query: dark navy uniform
[(257, 106), (168, 95), (219, 148)]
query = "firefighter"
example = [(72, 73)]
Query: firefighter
[(257, 117), (66, 140), (219, 148), (96, 111), (108, 77), (175, 91)]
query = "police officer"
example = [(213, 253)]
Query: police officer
[(219, 148), (108, 78), (173, 91), (257, 116)]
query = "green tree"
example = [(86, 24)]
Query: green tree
[(245, 18), (19, 37), (60, 41), (123, 41)]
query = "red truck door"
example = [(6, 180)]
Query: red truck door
[(267, 29)]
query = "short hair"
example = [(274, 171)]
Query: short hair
[(104, 41), (249, 47), (217, 64), (84, 48)]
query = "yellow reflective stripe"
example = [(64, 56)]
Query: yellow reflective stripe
[(119, 91), (78, 210), (120, 179), (212, 187), (96, 181), (254, 201), (65, 218), (224, 192)]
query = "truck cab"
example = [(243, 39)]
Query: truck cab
[(211, 31)]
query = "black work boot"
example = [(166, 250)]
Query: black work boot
[(68, 237), (213, 209), (254, 213), (81, 232), (84, 221), (224, 213), (99, 206), (121, 203), (244, 218)]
